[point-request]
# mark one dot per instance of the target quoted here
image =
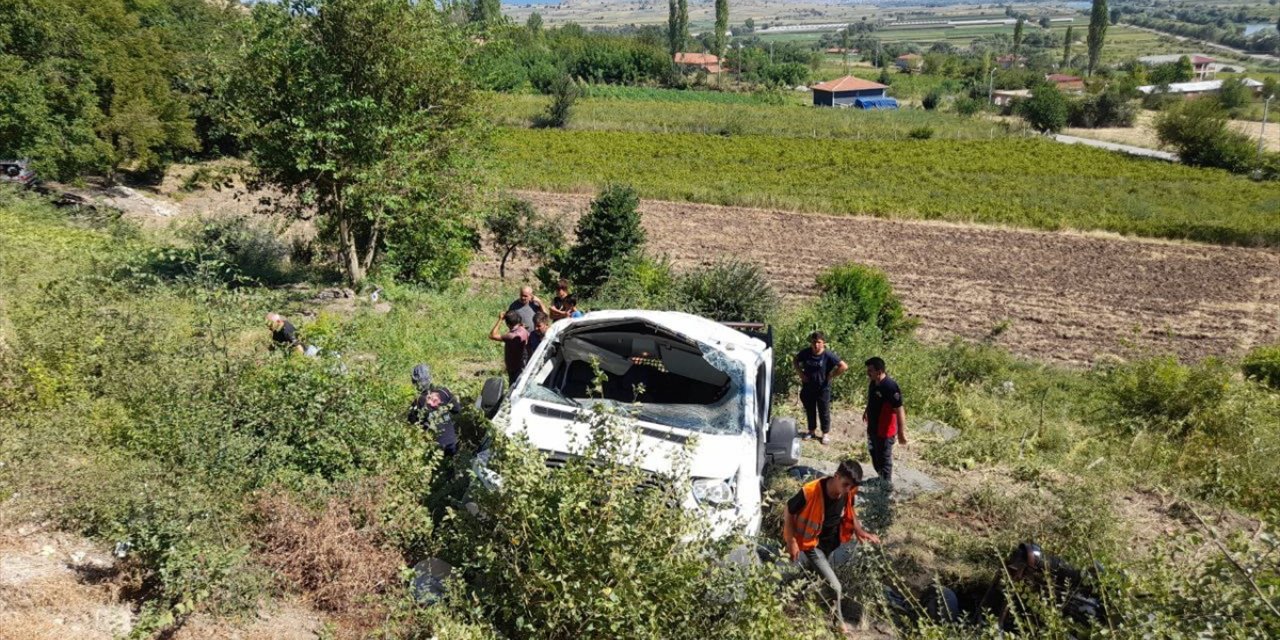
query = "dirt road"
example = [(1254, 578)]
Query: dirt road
[(1068, 297)]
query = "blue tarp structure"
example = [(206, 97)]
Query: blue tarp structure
[(875, 103)]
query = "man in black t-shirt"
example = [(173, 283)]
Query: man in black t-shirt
[(838, 533), (559, 304), (817, 367), (885, 417), (283, 334)]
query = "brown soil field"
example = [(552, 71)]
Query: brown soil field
[(1067, 297)]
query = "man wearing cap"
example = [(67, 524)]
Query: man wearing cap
[(435, 409), (820, 527)]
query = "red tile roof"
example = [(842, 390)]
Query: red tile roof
[(848, 83), (696, 58), (1201, 60), (1061, 78)]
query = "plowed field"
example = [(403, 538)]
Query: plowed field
[(1068, 297)]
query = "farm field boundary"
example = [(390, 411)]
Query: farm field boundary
[(1033, 183), (1066, 297)]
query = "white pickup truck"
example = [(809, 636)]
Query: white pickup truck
[(701, 380)]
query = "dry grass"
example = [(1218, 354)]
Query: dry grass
[(334, 557), (1143, 133)]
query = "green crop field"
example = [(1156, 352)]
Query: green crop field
[(1019, 182), (790, 120)]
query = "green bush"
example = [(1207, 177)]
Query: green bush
[(853, 295), (969, 106), (1263, 364), (729, 290), (589, 571), (1161, 395), (232, 250), (563, 94), (1198, 131), (920, 133), (1046, 110), (932, 100), (607, 235), (639, 282)]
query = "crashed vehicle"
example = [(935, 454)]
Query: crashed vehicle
[(700, 381), (17, 172)]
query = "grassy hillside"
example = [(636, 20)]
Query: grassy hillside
[(1017, 182), (140, 404)]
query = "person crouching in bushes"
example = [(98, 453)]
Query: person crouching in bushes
[(435, 410), (820, 528)]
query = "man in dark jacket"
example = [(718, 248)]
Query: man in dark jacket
[(435, 409)]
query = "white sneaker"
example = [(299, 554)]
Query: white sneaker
[(826, 439)]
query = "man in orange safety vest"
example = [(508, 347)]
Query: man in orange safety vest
[(820, 526)]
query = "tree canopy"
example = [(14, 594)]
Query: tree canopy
[(359, 111)]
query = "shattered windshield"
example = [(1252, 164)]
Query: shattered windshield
[(645, 372)]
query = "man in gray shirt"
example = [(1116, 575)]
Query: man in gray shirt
[(528, 306)]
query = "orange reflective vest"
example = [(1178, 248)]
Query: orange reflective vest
[(809, 520)]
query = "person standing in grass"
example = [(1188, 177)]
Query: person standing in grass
[(820, 527), (514, 342), (885, 417), (559, 304), (526, 306), (818, 366), (541, 324)]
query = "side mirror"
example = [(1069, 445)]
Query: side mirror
[(783, 447), (495, 389)]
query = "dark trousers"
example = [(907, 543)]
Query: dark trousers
[(817, 406), (881, 456)]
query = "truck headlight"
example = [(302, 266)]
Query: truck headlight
[(712, 492), (480, 467)]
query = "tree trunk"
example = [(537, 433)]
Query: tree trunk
[(350, 253), (502, 267)]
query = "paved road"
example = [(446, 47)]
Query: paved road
[(1263, 57), (1122, 148)]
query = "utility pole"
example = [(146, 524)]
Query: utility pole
[(1262, 133), (770, 52), (991, 79)]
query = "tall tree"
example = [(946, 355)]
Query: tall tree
[(673, 27), (722, 25), (359, 112), (1017, 34), (844, 46), (1066, 46), (534, 23), (486, 12), (1115, 15), (683, 33), (1098, 20)]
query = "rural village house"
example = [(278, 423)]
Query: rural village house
[(852, 92), (1201, 64), (695, 61)]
